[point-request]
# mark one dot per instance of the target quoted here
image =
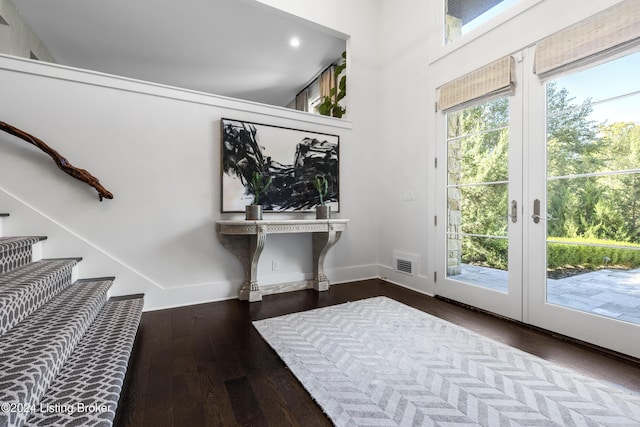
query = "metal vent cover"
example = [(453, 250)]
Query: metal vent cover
[(405, 263)]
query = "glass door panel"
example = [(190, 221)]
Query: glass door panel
[(593, 191), (478, 234), (477, 194), (479, 199)]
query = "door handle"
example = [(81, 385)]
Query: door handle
[(514, 211), (536, 211)]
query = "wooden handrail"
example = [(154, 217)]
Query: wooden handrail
[(62, 162)]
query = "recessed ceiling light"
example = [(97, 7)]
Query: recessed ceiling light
[(294, 42)]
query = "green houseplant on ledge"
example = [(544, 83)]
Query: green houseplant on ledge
[(322, 187), (330, 105), (257, 186)]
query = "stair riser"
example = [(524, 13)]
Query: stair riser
[(15, 258), (17, 253), (23, 291)]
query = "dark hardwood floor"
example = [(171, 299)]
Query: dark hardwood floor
[(205, 365)]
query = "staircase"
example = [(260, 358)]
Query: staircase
[(64, 347)]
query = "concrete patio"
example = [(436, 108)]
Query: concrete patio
[(606, 292)]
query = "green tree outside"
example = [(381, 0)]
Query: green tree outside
[(582, 209)]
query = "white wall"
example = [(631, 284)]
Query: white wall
[(158, 150), (412, 68)]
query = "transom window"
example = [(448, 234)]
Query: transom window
[(461, 16)]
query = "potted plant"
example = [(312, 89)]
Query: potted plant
[(322, 187), (330, 105), (257, 186)]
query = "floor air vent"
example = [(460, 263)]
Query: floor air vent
[(405, 263)]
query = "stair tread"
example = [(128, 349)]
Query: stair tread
[(33, 352), (7, 240), (91, 380), (14, 239), (26, 288)]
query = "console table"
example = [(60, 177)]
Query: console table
[(246, 239)]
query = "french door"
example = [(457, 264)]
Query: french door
[(582, 240), (538, 198), (480, 201)]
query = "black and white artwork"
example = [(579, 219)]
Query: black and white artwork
[(292, 158)]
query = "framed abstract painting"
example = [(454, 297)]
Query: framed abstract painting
[(292, 158)]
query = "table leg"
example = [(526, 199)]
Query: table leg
[(248, 249), (322, 242)]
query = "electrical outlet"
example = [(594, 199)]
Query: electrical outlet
[(409, 196), (275, 266)]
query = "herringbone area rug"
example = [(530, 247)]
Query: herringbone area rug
[(377, 362)]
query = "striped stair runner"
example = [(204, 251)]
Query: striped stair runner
[(64, 346)]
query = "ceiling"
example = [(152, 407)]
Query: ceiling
[(236, 48)]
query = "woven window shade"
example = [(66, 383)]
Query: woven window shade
[(604, 34), (495, 79)]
